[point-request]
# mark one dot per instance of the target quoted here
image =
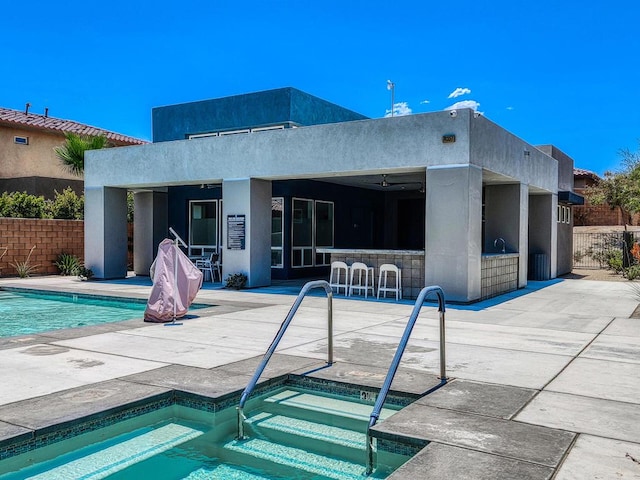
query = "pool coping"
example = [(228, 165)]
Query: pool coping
[(32, 439)]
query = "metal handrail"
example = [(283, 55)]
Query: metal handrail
[(393, 368), (274, 344)]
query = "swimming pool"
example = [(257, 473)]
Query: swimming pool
[(294, 433), (23, 313)]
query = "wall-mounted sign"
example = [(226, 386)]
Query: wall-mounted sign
[(449, 138), (236, 232)]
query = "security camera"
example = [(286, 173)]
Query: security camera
[(477, 114), (453, 113)]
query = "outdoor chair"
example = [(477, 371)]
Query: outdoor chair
[(210, 266), (385, 269), (337, 269), (359, 279)]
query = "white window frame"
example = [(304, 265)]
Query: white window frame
[(564, 214), (224, 133), (20, 140), (281, 247), (202, 135), (233, 132), (265, 129)]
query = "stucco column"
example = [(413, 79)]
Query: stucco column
[(523, 244), (150, 228), (453, 243), (105, 231), (554, 235), (247, 212)]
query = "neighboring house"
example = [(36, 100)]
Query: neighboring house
[(280, 183), (596, 215), (27, 158)]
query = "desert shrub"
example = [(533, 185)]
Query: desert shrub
[(130, 206), (68, 264), (237, 281), (613, 259), (632, 272), (25, 269), (67, 205), (22, 205), (578, 255)]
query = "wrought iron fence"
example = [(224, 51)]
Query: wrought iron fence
[(593, 250)]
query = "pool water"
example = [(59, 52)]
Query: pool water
[(24, 313), (293, 434)]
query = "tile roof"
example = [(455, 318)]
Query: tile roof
[(581, 172), (51, 124)]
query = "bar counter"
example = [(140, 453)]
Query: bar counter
[(410, 262)]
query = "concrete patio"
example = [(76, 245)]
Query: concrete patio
[(546, 381)]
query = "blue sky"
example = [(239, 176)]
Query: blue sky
[(561, 72)]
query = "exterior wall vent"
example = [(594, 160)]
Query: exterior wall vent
[(21, 140)]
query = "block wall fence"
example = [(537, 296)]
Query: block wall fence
[(51, 238)]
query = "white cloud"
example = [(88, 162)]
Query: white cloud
[(425, 101), (472, 104), (459, 92), (509, 107), (399, 109)]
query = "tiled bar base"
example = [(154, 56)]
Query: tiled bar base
[(410, 262), (499, 274)]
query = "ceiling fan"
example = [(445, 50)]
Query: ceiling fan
[(385, 183)]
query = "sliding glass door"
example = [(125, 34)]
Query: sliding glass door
[(312, 227)]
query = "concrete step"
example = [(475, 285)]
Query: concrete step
[(225, 472), (317, 437), (322, 405), (111, 459)]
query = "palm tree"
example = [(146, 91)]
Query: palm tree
[(72, 152)]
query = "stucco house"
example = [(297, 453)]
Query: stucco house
[(280, 183), (27, 158)]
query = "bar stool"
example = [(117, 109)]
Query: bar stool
[(385, 269), (358, 271), (336, 275)]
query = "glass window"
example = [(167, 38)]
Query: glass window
[(324, 230), (203, 225), (277, 223), (324, 224), (302, 233), (302, 223)]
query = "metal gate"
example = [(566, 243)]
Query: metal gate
[(593, 250)]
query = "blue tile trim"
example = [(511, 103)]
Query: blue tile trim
[(64, 431)]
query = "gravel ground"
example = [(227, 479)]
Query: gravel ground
[(592, 274)]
